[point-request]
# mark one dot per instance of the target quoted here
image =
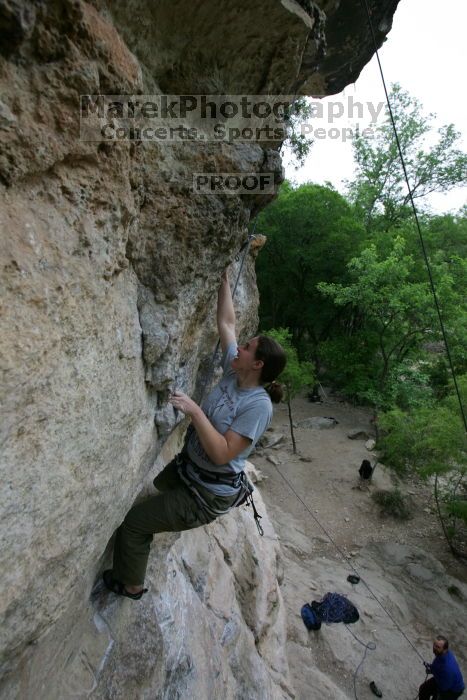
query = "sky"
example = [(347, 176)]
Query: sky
[(425, 52)]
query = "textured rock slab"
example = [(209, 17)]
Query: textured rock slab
[(318, 422), (271, 439), (358, 434), (212, 625), (414, 588)]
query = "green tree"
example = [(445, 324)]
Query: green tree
[(392, 315), (433, 165), (296, 374), (311, 234), (298, 144), (431, 440), (446, 234), (445, 239)]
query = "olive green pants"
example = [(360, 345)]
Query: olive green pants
[(172, 510)]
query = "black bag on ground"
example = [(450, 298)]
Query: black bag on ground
[(332, 608)]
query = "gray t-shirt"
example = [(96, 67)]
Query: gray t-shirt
[(229, 407)]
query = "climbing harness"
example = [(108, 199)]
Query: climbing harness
[(240, 481), (233, 480), (203, 504)]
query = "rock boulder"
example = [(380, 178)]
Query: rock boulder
[(110, 265)]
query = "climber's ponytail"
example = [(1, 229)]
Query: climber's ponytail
[(274, 360), (275, 391)]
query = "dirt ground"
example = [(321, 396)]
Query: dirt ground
[(406, 564)]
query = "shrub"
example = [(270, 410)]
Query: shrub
[(393, 503)]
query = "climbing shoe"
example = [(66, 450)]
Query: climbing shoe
[(118, 587)]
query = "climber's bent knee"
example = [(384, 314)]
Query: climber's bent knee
[(171, 511)]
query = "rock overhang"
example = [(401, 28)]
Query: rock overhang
[(111, 262)]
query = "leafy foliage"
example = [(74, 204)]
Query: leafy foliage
[(311, 234), (296, 374), (396, 314), (379, 188), (431, 441), (349, 279), (393, 503), (299, 144)]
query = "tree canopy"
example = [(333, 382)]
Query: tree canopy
[(348, 278), (312, 232), (433, 163)]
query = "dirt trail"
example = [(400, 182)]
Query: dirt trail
[(406, 564)]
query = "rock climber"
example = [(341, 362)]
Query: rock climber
[(447, 682), (206, 479)]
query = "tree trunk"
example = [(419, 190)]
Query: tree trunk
[(441, 519), (292, 435)]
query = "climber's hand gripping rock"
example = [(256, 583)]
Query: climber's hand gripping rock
[(183, 403)]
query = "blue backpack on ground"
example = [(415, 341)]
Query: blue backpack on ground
[(310, 618)]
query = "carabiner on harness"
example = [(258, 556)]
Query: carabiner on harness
[(250, 502)]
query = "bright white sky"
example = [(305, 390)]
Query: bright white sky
[(425, 52)]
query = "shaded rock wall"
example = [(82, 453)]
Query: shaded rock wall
[(110, 265)]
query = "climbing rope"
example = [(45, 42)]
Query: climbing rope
[(417, 222), (335, 608), (349, 563), (370, 646)]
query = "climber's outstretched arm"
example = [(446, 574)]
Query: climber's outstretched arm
[(225, 313)]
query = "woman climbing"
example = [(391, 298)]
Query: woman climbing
[(206, 480)]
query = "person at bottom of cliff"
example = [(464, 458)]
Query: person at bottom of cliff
[(207, 478), (447, 682)]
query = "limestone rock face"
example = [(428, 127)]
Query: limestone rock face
[(212, 625), (109, 269)]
